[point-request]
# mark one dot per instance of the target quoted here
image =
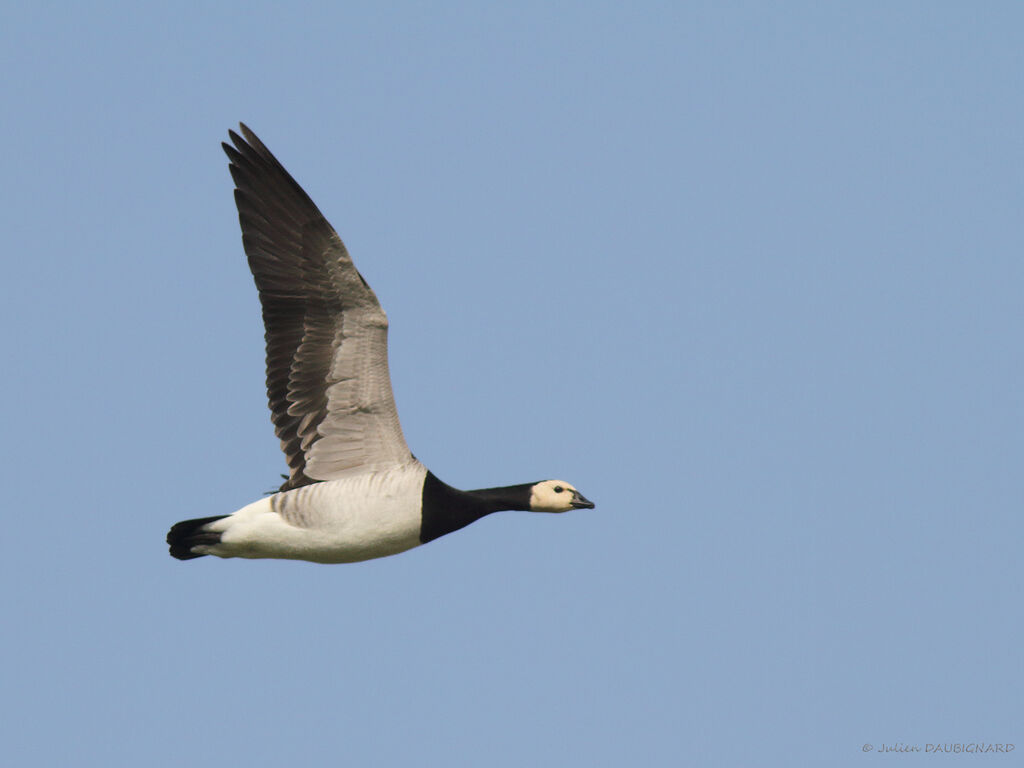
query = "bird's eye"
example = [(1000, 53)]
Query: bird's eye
[(559, 489)]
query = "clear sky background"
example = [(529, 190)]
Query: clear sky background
[(748, 274)]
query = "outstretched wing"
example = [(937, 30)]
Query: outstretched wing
[(327, 336)]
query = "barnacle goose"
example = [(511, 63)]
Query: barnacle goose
[(354, 491)]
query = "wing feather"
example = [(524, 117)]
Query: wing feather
[(328, 384)]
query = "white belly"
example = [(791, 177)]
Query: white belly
[(338, 521)]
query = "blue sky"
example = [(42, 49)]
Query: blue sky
[(749, 275)]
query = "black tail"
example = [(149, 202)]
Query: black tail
[(188, 533)]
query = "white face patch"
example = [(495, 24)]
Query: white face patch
[(552, 496)]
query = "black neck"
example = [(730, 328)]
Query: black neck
[(446, 509)]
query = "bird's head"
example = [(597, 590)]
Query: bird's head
[(557, 496)]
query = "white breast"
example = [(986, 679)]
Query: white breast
[(338, 521)]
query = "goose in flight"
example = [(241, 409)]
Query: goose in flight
[(354, 490)]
